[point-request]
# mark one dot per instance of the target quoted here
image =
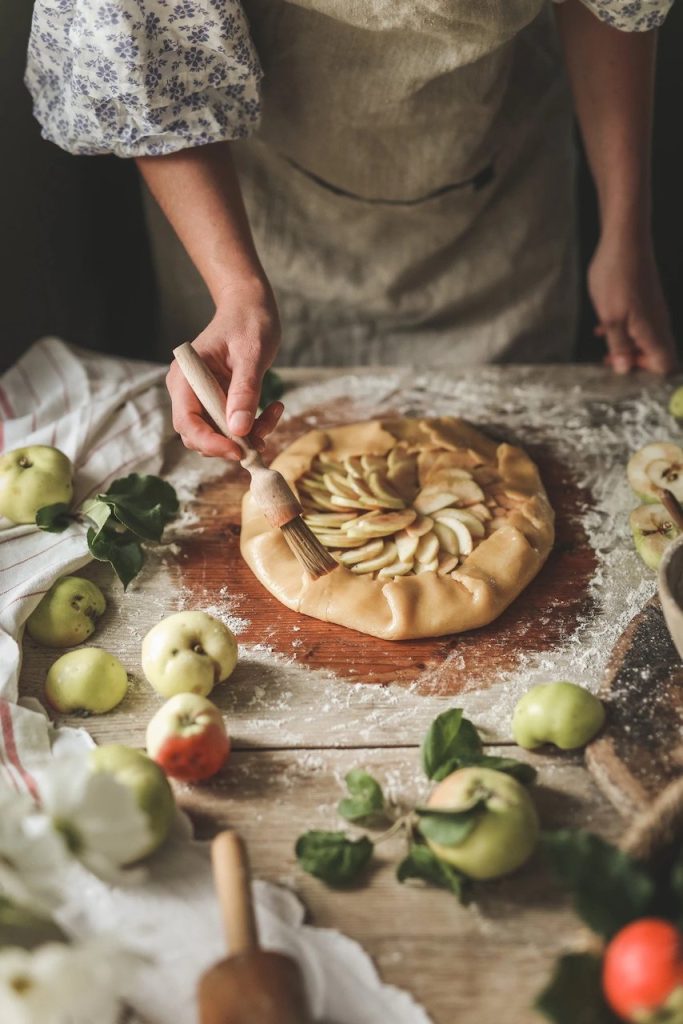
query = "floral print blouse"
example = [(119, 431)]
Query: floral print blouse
[(146, 77)]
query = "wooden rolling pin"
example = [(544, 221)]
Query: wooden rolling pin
[(251, 986)]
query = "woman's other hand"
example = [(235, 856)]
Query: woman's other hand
[(239, 345), (626, 291)]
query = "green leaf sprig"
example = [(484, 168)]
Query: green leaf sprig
[(134, 509), (451, 742), (609, 889)]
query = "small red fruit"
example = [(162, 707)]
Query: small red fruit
[(188, 739), (643, 968)]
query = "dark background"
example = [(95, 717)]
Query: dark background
[(74, 255)]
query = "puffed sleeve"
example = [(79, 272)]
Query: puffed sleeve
[(629, 15), (142, 77)]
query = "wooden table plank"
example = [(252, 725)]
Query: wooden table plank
[(300, 719), (459, 961)]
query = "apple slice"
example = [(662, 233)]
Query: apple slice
[(456, 524), (386, 557), (402, 473), (427, 548), (653, 531), (664, 474), (353, 466), (448, 539), (639, 464), (481, 511), (381, 489), (339, 540), (380, 524), (362, 554), (472, 522), (406, 545), (326, 520), (395, 569), (337, 502), (446, 563), (338, 484), (429, 501), (421, 525), (427, 566), (373, 464)]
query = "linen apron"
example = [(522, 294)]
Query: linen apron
[(411, 188)]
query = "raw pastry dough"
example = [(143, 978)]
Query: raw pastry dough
[(436, 527)]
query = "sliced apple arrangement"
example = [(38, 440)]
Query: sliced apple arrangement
[(400, 514), (652, 469)]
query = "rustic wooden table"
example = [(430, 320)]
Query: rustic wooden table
[(309, 701)]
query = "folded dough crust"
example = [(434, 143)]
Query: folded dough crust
[(428, 604)]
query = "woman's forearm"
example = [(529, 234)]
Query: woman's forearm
[(612, 78), (199, 192)]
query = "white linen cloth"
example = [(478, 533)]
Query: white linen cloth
[(112, 417)]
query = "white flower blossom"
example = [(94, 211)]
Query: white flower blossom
[(98, 816), (61, 984), (31, 865)]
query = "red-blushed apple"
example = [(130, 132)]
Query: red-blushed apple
[(188, 739)]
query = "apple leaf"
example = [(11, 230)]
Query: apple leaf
[(366, 799), (333, 857), (609, 887), (450, 737), (448, 828), (520, 770), (574, 995), (121, 550), (54, 518), (423, 864), (272, 388), (144, 504)]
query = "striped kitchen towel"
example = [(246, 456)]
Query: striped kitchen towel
[(111, 417)]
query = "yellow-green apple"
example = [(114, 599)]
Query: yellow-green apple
[(187, 737), (561, 713), (188, 652), (89, 681), (148, 784), (67, 614), (653, 530), (506, 826), (31, 478)]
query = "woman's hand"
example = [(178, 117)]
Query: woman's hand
[(624, 285), (238, 345)]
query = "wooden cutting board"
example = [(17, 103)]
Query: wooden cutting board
[(641, 750), (541, 618)]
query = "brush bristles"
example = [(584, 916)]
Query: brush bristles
[(316, 559)]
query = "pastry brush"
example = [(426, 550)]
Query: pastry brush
[(269, 489), (251, 986)]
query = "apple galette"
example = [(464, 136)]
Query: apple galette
[(436, 528)]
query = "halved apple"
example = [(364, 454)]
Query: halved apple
[(654, 466), (653, 530)]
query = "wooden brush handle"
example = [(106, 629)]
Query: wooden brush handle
[(208, 391), (270, 490), (231, 876)]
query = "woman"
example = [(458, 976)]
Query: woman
[(407, 169)]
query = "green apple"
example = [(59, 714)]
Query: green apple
[(506, 829), (89, 681), (676, 404), (146, 781), (68, 613), (656, 466), (653, 530), (188, 652), (561, 713), (21, 927), (31, 478)]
